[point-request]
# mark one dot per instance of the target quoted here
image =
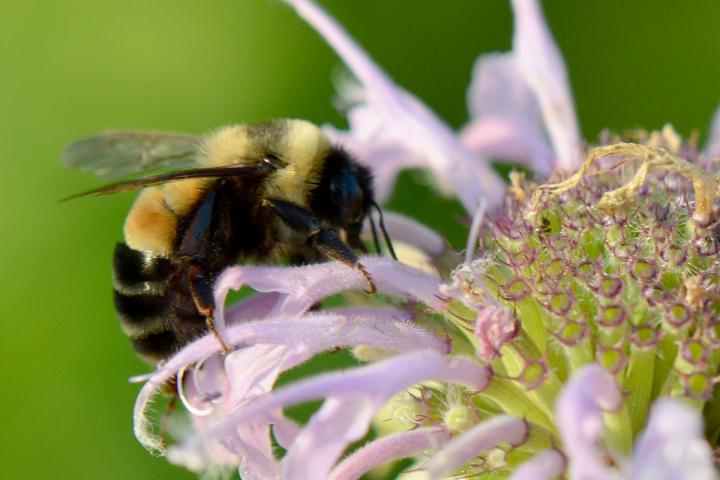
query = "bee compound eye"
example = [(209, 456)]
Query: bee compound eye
[(273, 160)]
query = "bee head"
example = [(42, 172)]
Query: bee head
[(344, 194)]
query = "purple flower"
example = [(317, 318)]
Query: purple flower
[(516, 97), (670, 447), (513, 99), (579, 341)]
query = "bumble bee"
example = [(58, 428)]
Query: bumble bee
[(245, 193)]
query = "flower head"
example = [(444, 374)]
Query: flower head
[(579, 342)]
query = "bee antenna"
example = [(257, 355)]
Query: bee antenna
[(388, 242), (373, 229)]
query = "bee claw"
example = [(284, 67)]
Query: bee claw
[(372, 289)]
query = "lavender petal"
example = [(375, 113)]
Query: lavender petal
[(253, 371), (303, 337), (253, 447), (407, 230), (463, 448), (339, 422), (259, 305), (579, 413), (673, 447), (410, 123), (302, 287), (712, 147), (506, 121), (386, 449), (545, 465), (541, 63), (285, 430), (375, 383)]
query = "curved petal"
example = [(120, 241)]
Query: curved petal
[(407, 121), (673, 446), (407, 230), (579, 412), (259, 305), (463, 448), (364, 389), (545, 465), (252, 371), (541, 63), (285, 431), (712, 146), (339, 422), (251, 443), (506, 122), (301, 338), (386, 449), (301, 287)]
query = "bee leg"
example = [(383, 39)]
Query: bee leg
[(330, 245), (202, 293), (326, 241)]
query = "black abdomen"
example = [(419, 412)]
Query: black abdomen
[(153, 301)]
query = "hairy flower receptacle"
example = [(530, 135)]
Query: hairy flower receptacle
[(459, 416), (617, 273)]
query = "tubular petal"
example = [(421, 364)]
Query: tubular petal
[(386, 449), (301, 287), (541, 63), (712, 147), (545, 465), (376, 383), (505, 118), (410, 123), (307, 336), (673, 447), (339, 422), (579, 412), (463, 448)]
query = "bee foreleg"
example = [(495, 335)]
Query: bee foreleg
[(302, 221), (202, 292), (329, 244)]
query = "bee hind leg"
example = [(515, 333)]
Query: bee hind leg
[(202, 292)]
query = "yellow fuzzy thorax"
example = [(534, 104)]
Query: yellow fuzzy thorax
[(152, 223), (299, 143)]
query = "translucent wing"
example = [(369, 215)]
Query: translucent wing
[(259, 170), (117, 154)]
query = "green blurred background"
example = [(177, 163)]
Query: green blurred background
[(72, 68)]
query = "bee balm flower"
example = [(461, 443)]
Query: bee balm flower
[(578, 343)]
